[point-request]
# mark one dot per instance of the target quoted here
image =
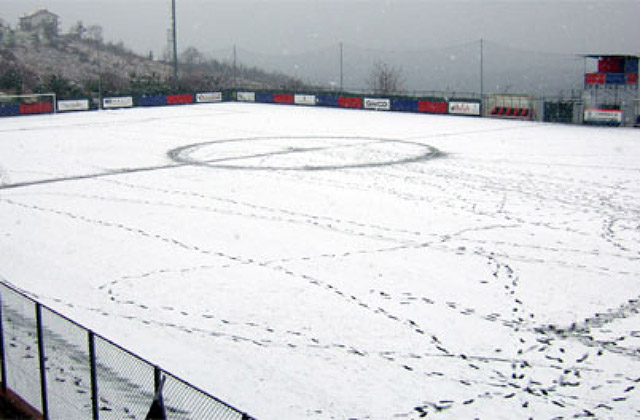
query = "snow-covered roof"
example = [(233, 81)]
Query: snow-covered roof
[(38, 13)]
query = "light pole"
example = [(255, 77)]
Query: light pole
[(175, 45), (481, 68), (99, 79), (341, 67), (97, 38), (235, 61)]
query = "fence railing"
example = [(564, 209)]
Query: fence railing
[(63, 371), (570, 108)]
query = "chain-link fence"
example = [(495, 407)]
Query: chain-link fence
[(63, 371)]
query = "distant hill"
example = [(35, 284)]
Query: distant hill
[(73, 64)]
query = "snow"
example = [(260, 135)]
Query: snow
[(322, 263)]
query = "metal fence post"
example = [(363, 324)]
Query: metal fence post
[(42, 359), (157, 410), (157, 378), (3, 361), (95, 407)]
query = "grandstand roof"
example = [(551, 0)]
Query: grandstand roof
[(610, 55)]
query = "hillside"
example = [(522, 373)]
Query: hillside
[(71, 65)]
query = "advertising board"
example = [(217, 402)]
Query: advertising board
[(305, 100), (464, 108), (378, 104), (117, 102), (430, 107), (246, 96), (153, 100), (283, 98), (180, 99), (404, 105), (73, 105), (209, 97), (603, 116), (349, 102), (9, 110), (35, 108), (327, 100)]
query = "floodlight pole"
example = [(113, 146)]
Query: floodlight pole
[(341, 67), (175, 45), (99, 75), (481, 68), (235, 63)]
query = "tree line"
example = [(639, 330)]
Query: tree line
[(101, 75), (197, 72)]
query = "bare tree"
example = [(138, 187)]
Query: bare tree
[(78, 30), (94, 33), (385, 79), (192, 57)]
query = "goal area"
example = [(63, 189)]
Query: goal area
[(35, 103)]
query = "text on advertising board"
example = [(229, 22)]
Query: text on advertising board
[(246, 96), (464, 108), (119, 102), (73, 105), (305, 100), (377, 104), (208, 97), (603, 115)]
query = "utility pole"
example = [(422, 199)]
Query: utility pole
[(98, 40), (99, 77), (175, 45), (235, 61), (481, 68), (341, 67)]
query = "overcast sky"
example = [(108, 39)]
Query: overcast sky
[(292, 26)]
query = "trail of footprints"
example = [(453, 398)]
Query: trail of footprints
[(520, 369), (520, 382)]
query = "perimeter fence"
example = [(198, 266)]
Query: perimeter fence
[(60, 370), (479, 66)]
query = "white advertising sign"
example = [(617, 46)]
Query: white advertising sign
[(377, 104), (73, 105), (464, 108), (304, 99), (246, 96), (209, 97), (603, 115), (119, 102)]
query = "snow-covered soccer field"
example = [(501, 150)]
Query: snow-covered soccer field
[(330, 264)]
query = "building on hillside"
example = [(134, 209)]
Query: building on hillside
[(7, 35), (43, 23)]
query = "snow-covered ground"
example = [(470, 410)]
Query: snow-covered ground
[(321, 263)]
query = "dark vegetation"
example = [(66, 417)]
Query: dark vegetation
[(81, 64)]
